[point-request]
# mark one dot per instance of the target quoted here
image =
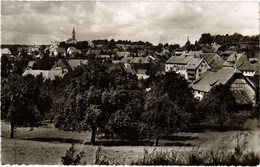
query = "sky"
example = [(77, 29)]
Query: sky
[(156, 22)]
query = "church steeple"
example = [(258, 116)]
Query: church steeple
[(73, 34)]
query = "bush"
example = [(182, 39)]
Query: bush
[(199, 158), (70, 158)]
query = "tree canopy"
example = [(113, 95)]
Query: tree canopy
[(23, 104)]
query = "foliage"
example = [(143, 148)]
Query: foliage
[(206, 38), (219, 157), (6, 66), (70, 158), (45, 63), (219, 105), (19, 65), (23, 104), (167, 106)]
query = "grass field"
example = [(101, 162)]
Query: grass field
[(46, 145)]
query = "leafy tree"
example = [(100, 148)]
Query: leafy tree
[(45, 63), (23, 105), (168, 105), (206, 38), (81, 106), (111, 44), (162, 117), (6, 66), (19, 65), (219, 105)]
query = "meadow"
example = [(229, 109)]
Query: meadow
[(46, 145)]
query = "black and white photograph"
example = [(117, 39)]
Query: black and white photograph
[(136, 83)]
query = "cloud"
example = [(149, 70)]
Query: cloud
[(165, 22)]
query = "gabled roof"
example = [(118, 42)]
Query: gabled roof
[(214, 60), (63, 64), (194, 63), (76, 62), (248, 67), (179, 60), (210, 79), (47, 74), (136, 60)]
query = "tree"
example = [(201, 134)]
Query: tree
[(45, 63), (167, 105), (219, 105), (205, 39), (6, 66), (162, 117), (23, 105), (82, 107)]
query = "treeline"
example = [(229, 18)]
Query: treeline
[(234, 39), (113, 103)]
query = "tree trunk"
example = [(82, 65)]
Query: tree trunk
[(93, 134), (12, 131), (157, 141)]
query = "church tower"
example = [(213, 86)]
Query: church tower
[(73, 34)]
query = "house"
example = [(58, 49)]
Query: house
[(178, 64), (23, 49), (57, 51), (73, 63), (63, 64), (248, 69), (47, 74), (34, 50), (235, 60), (141, 74), (72, 51), (123, 54), (196, 67), (70, 64), (237, 82), (137, 60), (6, 52), (214, 60)]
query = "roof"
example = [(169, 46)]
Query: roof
[(63, 64), (129, 69), (6, 51), (30, 64), (194, 63), (214, 60), (141, 71), (72, 49), (76, 62), (237, 58), (136, 60), (60, 50), (179, 60), (210, 79), (47, 74), (248, 67)]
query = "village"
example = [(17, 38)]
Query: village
[(202, 65), (130, 96)]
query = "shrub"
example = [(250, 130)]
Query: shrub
[(70, 158)]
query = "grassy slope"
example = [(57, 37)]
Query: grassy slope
[(28, 147)]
